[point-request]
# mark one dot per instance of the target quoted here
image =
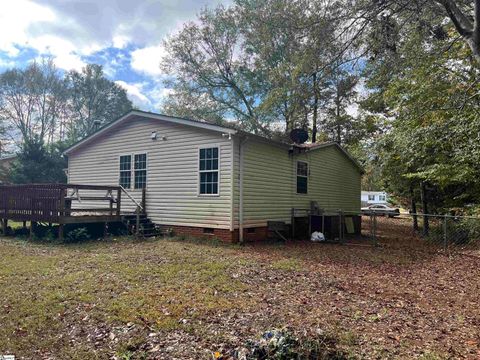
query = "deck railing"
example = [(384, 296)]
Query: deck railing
[(52, 203)]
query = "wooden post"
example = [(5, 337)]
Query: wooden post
[(137, 230), (374, 228), (119, 201), (105, 230), (61, 213), (24, 224), (32, 225), (5, 226), (144, 200), (60, 232)]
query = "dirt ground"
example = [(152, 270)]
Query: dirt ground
[(172, 299)]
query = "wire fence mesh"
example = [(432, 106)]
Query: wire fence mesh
[(421, 231), (424, 232)]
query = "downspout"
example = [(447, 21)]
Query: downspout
[(240, 201)]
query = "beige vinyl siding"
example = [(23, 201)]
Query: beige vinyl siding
[(270, 182), (172, 171)]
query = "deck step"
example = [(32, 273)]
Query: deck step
[(146, 227)]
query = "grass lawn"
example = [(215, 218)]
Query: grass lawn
[(165, 299)]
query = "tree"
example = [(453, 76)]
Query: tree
[(259, 63), (31, 101), (39, 163), (389, 17), (93, 101), (428, 94), (339, 123)]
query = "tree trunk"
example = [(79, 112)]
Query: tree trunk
[(414, 209), (315, 109), (426, 225), (339, 128)]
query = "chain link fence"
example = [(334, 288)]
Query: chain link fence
[(422, 231), (394, 230)]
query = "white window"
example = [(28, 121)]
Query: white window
[(302, 177), (208, 171), (133, 167), (125, 171), (371, 197), (140, 167), (381, 198)]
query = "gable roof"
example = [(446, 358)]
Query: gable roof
[(132, 114), (316, 146)]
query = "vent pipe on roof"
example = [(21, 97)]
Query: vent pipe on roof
[(96, 124)]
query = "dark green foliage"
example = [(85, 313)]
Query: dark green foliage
[(77, 235), (38, 163)]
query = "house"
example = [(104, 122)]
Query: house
[(374, 197), (201, 178)]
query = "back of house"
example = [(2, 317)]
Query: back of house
[(205, 179)]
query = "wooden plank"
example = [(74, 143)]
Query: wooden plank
[(89, 219), (92, 187), (90, 210)]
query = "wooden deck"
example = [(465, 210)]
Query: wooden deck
[(52, 203)]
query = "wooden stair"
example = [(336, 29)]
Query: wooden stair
[(146, 227)]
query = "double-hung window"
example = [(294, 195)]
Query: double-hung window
[(140, 167), (208, 171), (133, 166), (126, 171), (302, 177), (371, 197)]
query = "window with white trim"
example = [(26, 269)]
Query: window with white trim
[(133, 171), (208, 171), (302, 177), (125, 178), (371, 197), (140, 171), (382, 198)]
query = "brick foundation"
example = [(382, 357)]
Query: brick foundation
[(255, 234)]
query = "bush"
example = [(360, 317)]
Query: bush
[(77, 235)]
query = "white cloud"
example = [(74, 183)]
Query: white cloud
[(147, 60), (135, 93), (15, 18), (120, 41), (16, 21)]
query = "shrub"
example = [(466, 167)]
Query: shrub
[(77, 235)]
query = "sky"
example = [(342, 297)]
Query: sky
[(125, 36)]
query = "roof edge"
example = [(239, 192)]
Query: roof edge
[(343, 150), (150, 115)]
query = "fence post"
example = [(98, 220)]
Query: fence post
[(445, 238), (374, 229), (293, 223), (340, 227)]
